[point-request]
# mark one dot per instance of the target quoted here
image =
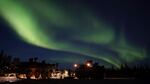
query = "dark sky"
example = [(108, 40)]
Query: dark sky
[(106, 31)]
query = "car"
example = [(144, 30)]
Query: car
[(11, 77)]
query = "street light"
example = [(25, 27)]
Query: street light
[(88, 64), (75, 65)]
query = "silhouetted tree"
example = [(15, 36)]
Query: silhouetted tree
[(16, 61), (35, 59), (31, 60), (5, 60)]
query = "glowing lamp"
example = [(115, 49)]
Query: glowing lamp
[(75, 65), (88, 65)]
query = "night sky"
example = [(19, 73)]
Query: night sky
[(111, 32)]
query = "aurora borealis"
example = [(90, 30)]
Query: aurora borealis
[(75, 27)]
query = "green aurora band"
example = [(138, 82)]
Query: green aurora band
[(28, 19)]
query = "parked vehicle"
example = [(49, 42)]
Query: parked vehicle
[(11, 77)]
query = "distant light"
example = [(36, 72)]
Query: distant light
[(75, 65), (89, 65)]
